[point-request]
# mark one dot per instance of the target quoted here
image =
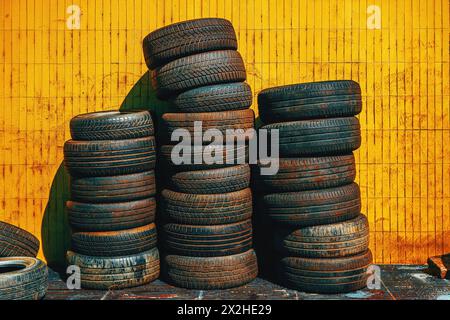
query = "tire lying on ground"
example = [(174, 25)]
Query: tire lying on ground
[(222, 121), (109, 157), (112, 125), (205, 273), (207, 240), (111, 216), (341, 239), (314, 100), (210, 156), (220, 180), (335, 136), (16, 242), (313, 207), (116, 272), (337, 275), (186, 38), (115, 243), (298, 174), (207, 209), (219, 97), (207, 68), (22, 278), (121, 188)]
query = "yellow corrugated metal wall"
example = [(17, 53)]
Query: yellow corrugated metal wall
[(397, 50)]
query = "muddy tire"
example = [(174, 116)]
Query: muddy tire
[(338, 275), (187, 38), (220, 180), (112, 125), (115, 243), (111, 216), (105, 273), (16, 242), (313, 207), (334, 136), (202, 69), (335, 240), (314, 100), (24, 278), (298, 174), (109, 157), (207, 273), (215, 98), (207, 240), (207, 209)]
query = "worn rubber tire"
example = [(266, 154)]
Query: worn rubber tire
[(298, 174), (215, 98), (202, 69), (187, 38), (334, 136), (129, 187), (313, 207), (314, 100), (335, 240), (115, 243), (337, 275), (220, 180), (221, 121), (207, 209), (112, 125), (207, 273), (207, 240), (105, 273), (28, 283), (109, 157), (111, 216), (240, 156), (16, 242)]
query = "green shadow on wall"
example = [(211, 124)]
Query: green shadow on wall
[(55, 227)]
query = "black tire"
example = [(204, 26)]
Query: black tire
[(115, 243), (105, 273), (229, 157), (209, 240), (220, 180), (129, 187), (202, 69), (112, 125), (314, 100), (207, 273), (16, 242), (109, 157), (186, 38), (215, 98), (338, 275), (298, 174), (207, 209), (222, 121), (111, 216), (335, 240), (23, 278), (335, 136), (314, 207)]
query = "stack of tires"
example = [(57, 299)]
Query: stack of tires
[(320, 235), (111, 161), (22, 275), (207, 206)]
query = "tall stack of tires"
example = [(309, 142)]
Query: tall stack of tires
[(22, 275), (206, 207), (313, 202), (111, 162)]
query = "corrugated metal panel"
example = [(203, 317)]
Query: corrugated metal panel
[(50, 73)]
